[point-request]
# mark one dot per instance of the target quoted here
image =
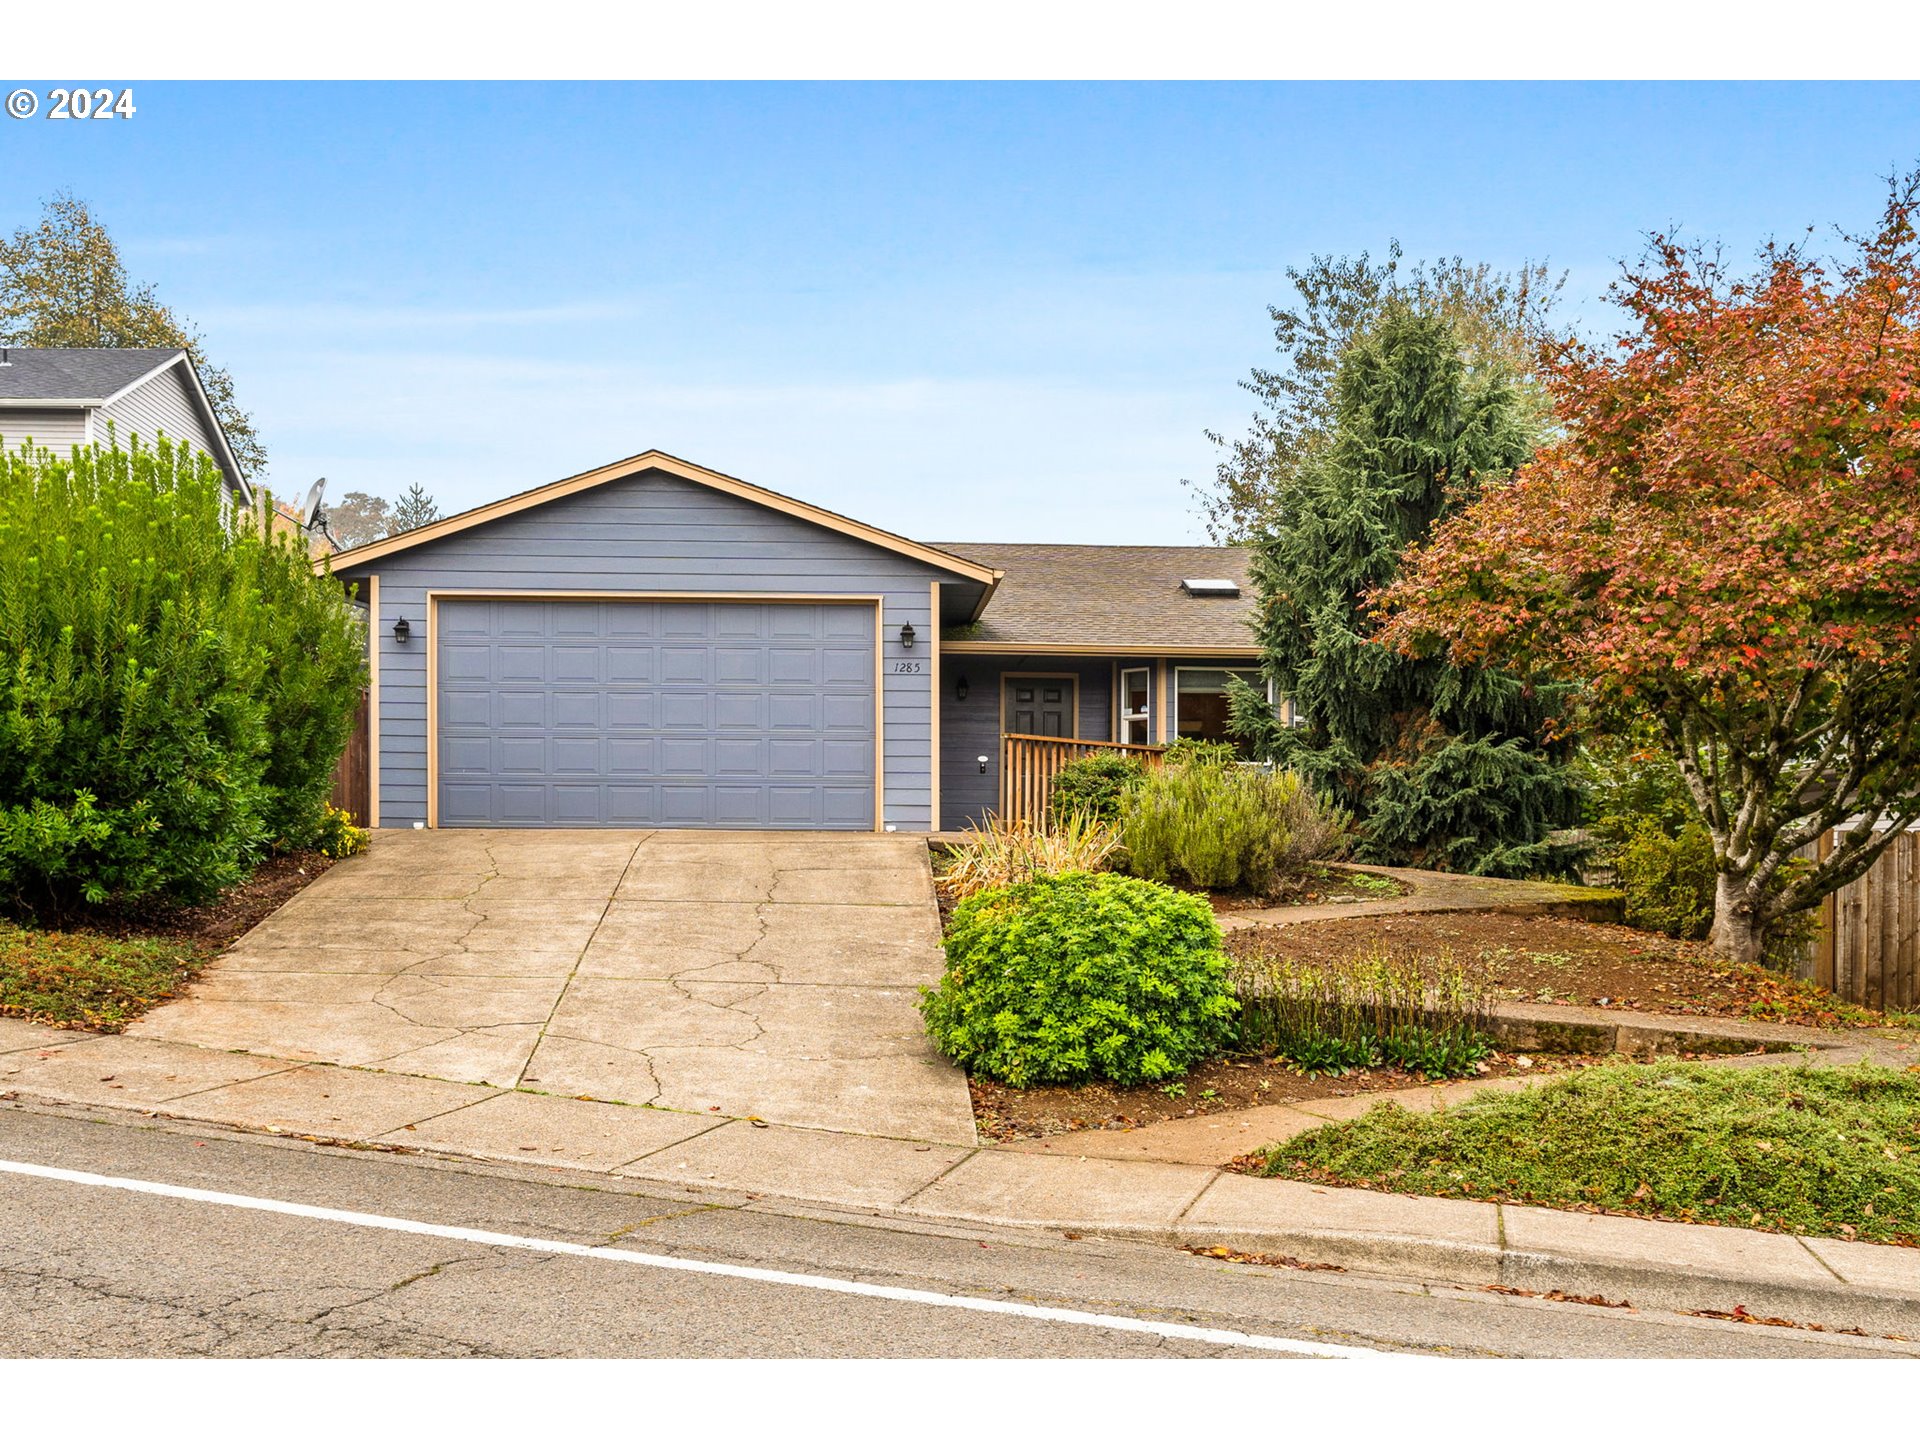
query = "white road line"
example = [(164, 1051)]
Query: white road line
[(500, 1240)]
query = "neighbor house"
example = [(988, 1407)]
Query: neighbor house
[(63, 398), (657, 644)]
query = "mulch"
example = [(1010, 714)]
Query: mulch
[(1213, 1087), (1557, 961), (214, 926)]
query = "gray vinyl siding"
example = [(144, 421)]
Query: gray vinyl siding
[(970, 728), (58, 430), (653, 533), (158, 406)]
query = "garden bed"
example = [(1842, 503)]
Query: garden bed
[(1213, 1087), (1551, 960), (1323, 885), (104, 971), (1831, 1151)]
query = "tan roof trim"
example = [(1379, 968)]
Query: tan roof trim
[(686, 470), (1145, 650)]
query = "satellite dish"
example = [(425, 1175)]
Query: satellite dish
[(310, 512)]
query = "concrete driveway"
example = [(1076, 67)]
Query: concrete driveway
[(743, 974)]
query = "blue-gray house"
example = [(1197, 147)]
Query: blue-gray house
[(655, 644)]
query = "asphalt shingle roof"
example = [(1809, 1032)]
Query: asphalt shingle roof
[(1111, 595), (75, 374)]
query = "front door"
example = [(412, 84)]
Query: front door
[(1042, 706)]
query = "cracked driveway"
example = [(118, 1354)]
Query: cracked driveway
[(764, 974)]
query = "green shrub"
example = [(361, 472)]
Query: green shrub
[(1189, 751), (1093, 786), (1668, 880), (1079, 976), (1226, 827), (176, 680), (1373, 1009)]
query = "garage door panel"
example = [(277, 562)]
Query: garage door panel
[(576, 710), (631, 710), (644, 713), (846, 667), (629, 664), (740, 711)]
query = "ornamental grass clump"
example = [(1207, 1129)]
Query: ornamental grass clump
[(1079, 977), (1377, 1008), (1220, 825), (999, 854)]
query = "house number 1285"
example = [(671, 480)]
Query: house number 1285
[(907, 667)]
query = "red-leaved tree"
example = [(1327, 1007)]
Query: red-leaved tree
[(1726, 540)]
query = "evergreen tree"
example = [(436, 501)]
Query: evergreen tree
[(1441, 765), (412, 510)]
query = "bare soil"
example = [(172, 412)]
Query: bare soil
[(1554, 961), (217, 924)]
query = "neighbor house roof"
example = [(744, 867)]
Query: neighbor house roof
[(1117, 599), (90, 379), (77, 377)]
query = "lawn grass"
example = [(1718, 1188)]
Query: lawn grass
[(90, 979), (1830, 1151)]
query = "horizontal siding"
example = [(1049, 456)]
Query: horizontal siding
[(156, 407), (654, 532), (58, 430)]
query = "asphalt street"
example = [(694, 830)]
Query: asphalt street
[(89, 1270)]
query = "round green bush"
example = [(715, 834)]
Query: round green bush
[(1078, 976), (1093, 785)]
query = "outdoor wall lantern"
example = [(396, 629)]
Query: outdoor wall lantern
[(401, 630), (906, 636), (960, 688)]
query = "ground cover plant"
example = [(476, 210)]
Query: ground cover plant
[(1425, 1014), (107, 971), (1079, 976), (1829, 1151)]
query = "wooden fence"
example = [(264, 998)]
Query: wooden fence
[(1028, 764), (1868, 946), (352, 787)]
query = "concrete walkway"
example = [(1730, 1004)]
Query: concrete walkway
[(713, 973)]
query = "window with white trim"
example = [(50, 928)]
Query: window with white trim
[(1136, 706)]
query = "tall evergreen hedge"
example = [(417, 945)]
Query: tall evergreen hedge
[(177, 686)]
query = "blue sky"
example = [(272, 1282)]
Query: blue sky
[(961, 312)]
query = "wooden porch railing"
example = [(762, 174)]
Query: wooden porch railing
[(1028, 764)]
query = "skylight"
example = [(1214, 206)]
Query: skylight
[(1212, 589)]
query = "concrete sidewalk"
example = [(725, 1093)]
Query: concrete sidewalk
[(1649, 1263)]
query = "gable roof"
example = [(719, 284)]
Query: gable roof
[(1109, 599), (88, 379), (77, 377), (686, 470)]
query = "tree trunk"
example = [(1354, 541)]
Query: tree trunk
[(1737, 932)]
